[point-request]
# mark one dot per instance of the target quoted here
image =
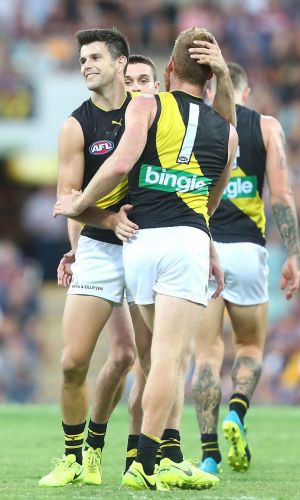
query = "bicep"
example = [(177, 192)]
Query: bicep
[(70, 157)]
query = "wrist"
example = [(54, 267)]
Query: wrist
[(110, 221), (222, 72)]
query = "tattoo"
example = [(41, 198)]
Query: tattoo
[(245, 374), (286, 221), (207, 397)]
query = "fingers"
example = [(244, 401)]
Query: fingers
[(291, 283), (124, 232)]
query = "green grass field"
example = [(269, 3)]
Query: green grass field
[(31, 436)]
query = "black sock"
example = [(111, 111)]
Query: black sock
[(240, 404), (132, 445), (170, 446), (74, 435), (146, 454), (210, 447), (96, 435), (158, 456)]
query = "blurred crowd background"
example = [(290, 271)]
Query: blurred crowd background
[(40, 85)]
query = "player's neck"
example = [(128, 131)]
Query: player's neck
[(187, 87), (110, 97)]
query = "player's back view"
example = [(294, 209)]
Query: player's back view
[(170, 185)]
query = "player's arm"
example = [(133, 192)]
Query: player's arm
[(282, 200), (138, 119), (217, 191), (70, 178), (210, 53)]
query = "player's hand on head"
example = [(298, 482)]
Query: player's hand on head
[(64, 272), (290, 277), (124, 228), (209, 53), (68, 204)]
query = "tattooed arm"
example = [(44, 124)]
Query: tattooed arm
[(282, 201)]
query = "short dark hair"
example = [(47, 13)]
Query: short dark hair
[(117, 44), (238, 76), (137, 58), (186, 68)]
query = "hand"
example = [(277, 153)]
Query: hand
[(123, 227), (64, 272), (216, 271), (290, 276), (210, 54), (68, 204)]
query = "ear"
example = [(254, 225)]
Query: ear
[(157, 86), (246, 94), (210, 75), (121, 63), (171, 64)]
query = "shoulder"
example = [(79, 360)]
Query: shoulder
[(269, 123), (71, 130), (140, 101), (271, 128)]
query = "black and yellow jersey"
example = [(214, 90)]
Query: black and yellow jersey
[(102, 132), (240, 216), (186, 152)]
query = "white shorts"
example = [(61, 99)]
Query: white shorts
[(98, 271), (169, 260), (246, 273)]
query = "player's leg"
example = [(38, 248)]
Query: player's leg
[(143, 337), (249, 325), (158, 270), (246, 302), (169, 347), (84, 317), (109, 389), (171, 443), (206, 383)]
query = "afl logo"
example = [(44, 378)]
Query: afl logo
[(101, 147)]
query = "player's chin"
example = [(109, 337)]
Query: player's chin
[(91, 85)]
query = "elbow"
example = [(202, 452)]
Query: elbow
[(283, 197), (122, 168)]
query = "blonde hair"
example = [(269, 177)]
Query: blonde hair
[(186, 68)]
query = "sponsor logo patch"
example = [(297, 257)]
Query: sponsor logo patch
[(172, 180), (101, 147), (241, 187)]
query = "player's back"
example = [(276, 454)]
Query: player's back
[(240, 216), (186, 152)]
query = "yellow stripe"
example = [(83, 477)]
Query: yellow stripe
[(97, 433), (155, 438), (132, 453), (74, 437), (209, 442), (169, 445), (72, 447), (236, 400), (211, 449)]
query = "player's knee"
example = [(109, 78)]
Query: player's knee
[(74, 371), (248, 350), (124, 360)]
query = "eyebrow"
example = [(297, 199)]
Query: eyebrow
[(138, 76), (84, 58)]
